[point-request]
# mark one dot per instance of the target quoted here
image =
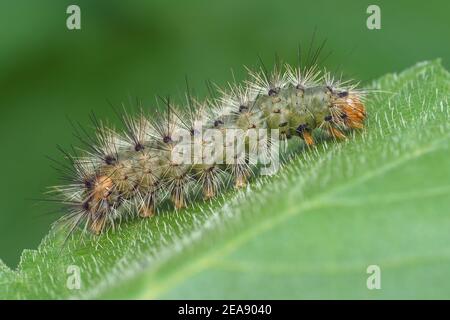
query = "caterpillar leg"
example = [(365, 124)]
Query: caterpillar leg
[(336, 133), (208, 192), (178, 198), (210, 180), (308, 138), (241, 173), (178, 186), (98, 224), (146, 212), (209, 188), (147, 208), (240, 181)]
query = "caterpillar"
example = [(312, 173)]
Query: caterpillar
[(133, 171)]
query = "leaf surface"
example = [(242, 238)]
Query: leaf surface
[(380, 198)]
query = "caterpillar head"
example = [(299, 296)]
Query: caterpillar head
[(351, 110)]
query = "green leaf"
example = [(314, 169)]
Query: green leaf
[(379, 198)]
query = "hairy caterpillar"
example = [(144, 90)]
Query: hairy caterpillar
[(133, 172)]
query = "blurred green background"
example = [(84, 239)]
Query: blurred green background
[(137, 49)]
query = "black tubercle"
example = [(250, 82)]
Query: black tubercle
[(273, 91), (328, 118), (138, 147), (85, 205), (343, 94), (88, 183), (243, 108), (110, 159), (218, 123), (301, 128), (194, 132), (167, 139), (344, 116)]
